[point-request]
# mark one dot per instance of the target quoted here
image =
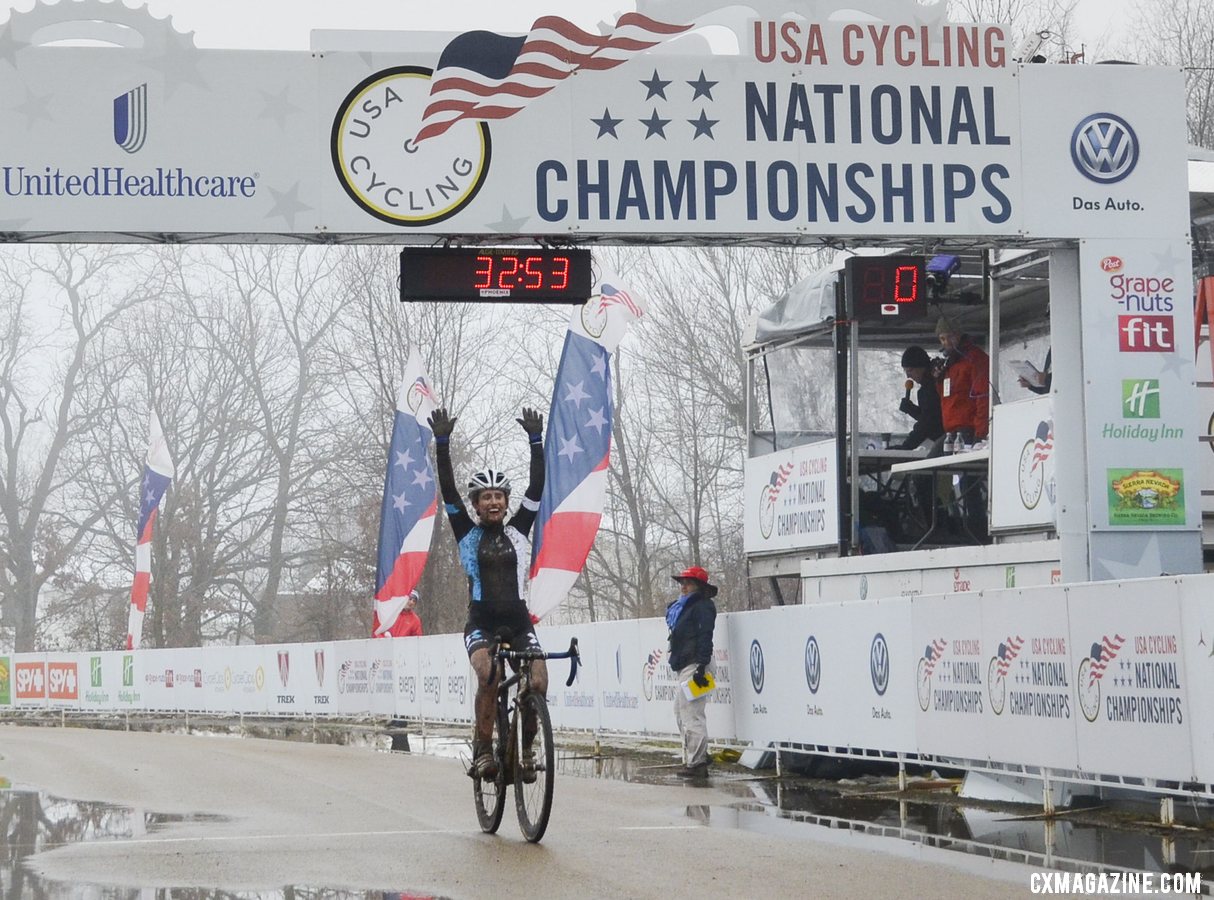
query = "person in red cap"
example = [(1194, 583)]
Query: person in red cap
[(691, 618)]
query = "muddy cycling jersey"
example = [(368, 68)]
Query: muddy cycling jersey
[(496, 558)]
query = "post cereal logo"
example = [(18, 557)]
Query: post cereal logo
[(386, 171), (1111, 264)]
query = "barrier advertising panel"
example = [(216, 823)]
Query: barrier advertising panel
[(1197, 648), (297, 682), (239, 679), (950, 666), (29, 680), (63, 686), (1023, 490), (575, 706), (110, 683), (791, 499), (1131, 684), (406, 662), (612, 651), (6, 681), (767, 685), (1029, 674)]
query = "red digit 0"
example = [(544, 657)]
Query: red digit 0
[(913, 273)]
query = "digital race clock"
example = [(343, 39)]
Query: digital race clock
[(886, 287), (505, 275)]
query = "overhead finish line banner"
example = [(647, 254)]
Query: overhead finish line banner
[(809, 129)]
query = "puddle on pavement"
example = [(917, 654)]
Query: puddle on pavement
[(32, 821)]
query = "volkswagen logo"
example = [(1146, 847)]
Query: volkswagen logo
[(756, 666), (813, 664), (1104, 148), (878, 664)]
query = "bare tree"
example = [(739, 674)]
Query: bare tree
[(89, 290)]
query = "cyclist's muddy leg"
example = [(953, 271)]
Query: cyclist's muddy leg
[(486, 696), (539, 685)]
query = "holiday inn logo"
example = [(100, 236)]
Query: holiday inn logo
[(95, 671), (1140, 398)]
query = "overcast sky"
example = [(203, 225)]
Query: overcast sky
[(286, 24)]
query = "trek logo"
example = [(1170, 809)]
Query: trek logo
[(1140, 398), (1104, 148), (131, 119), (1146, 334)]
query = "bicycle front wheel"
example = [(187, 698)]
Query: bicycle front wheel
[(536, 773), (490, 793)]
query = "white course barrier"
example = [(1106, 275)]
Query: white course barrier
[(1109, 679)]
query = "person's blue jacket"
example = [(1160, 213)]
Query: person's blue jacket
[(691, 637)]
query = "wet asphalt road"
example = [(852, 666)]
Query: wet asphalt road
[(343, 817)]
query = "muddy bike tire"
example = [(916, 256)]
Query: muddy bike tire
[(533, 801), (490, 794)]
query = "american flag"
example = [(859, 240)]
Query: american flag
[(406, 518), (577, 450), (157, 474), (1102, 654), (1043, 443), (1008, 651), (933, 654), (780, 476), (481, 75)]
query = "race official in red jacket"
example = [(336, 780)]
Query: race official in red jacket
[(965, 386)]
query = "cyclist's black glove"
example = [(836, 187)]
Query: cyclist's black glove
[(699, 677), (533, 424), (442, 424)]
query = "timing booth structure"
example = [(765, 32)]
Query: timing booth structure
[(883, 127)]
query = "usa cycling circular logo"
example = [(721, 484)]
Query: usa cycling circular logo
[(386, 171), (813, 664), (878, 664), (1104, 148), (757, 674)]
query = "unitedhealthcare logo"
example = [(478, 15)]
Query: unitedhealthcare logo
[(131, 119), (1104, 148)]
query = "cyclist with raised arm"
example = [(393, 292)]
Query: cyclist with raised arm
[(496, 555)]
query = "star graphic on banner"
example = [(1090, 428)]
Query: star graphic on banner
[(278, 107), (599, 366), (422, 477), (34, 109), (607, 124), (570, 447), (399, 501), (404, 460), (654, 125), (178, 63), (287, 204), (9, 46), (597, 420), (1149, 562), (1168, 261), (576, 394), (508, 224), (702, 87), (1177, 363), (149, 496), (655, 86), (703, 125)]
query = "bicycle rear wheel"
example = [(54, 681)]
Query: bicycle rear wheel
[(490, 793), (533, 799)]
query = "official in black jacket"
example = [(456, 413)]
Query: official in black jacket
[(929, 423), (691, 618)]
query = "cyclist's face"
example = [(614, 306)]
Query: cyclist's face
[(491, 506)]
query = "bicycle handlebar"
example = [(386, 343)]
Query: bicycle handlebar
[(571, 654)]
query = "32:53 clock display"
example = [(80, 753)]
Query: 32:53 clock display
[(495, 274)]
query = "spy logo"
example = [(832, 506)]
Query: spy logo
[(757, 675), (1140, 398), (878, 664), (385, 171), (813, 664), (1104, 148)]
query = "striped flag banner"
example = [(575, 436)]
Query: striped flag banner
[(158, 471), (483, 76), (406, 518), (577, 450)]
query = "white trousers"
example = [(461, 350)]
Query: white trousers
[(692, 716)]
